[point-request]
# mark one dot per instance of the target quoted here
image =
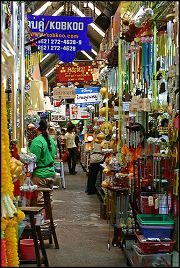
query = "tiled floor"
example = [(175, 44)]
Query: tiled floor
[(83, 236)]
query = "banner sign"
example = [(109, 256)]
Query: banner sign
[(87, 96), (71, 73), (65, 35), (77, 112), (64, 92), (59, 113)]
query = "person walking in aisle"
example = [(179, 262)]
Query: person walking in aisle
[(96, 158), (71, 148), (44, 147), (61, 142), (77, 142)]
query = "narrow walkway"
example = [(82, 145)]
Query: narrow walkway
[(82, 234)]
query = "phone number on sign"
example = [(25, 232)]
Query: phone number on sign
[(47, 47), (58, 42)]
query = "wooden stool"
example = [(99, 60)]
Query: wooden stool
[(48, 209), (35, 230)]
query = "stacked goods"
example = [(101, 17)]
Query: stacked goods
[(154, 242)]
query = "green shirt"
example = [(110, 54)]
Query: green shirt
[(39, 147)]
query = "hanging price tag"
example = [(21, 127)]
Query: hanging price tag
[(125, 106), (150, 201), (156, 203)]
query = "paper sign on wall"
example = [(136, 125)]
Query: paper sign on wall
[(64, 92), (77, 112), (59, 113)]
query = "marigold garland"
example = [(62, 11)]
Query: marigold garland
[(20, 215), (11, 246), (9, 225), (3, 251), (3, 223)]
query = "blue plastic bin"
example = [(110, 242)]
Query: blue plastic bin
[(157, 231)]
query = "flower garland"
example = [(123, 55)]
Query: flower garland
[(11, 245), (10, 216), (3, 251), (7, 186)]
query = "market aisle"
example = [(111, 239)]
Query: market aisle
[(82, 235)]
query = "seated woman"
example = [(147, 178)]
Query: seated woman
[(44, 147)]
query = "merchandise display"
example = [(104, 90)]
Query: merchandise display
[(126, 100)]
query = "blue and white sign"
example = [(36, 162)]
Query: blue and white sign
[(87, 96), (63, 34)]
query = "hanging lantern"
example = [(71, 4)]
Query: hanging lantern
[(102, 111), (103, 91)]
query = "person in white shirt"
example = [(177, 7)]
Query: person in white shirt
[(71, 148)]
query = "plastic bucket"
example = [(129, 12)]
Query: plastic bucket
[(27, 249)]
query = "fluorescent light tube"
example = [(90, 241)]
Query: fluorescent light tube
[(87, 55), (45, 57), (43, 8), (97, 29), (93, 25), (94, 52), (50, 72), (97, 11), (58, 11)]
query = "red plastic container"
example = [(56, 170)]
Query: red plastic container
[(154, 247), (27, 249)]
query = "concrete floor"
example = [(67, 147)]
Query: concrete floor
[(82, 234)]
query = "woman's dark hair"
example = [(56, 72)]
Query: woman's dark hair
[(43, 126), (70, 127)]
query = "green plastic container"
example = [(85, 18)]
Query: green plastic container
[(153, 219)]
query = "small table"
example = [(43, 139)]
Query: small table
[(36, 232), (48, 209)]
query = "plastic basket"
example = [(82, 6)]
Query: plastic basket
[(27, 249), (151, 219), (150, 260), (156, 231), (153, 246)]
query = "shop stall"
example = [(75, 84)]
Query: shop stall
[(141, 80), (127, 99)]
